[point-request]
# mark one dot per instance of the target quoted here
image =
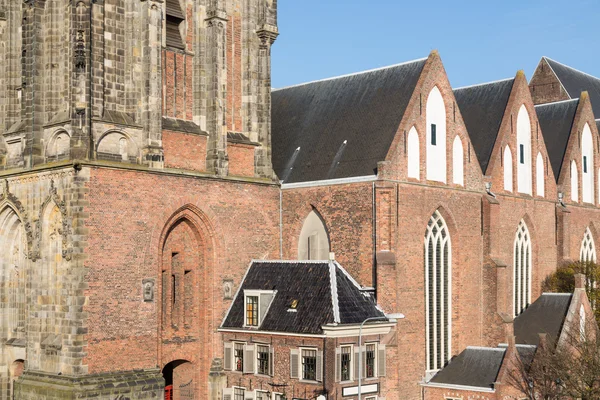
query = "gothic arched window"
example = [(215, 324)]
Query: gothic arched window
[(314, 241), (588, 249), (522, 269), (438, 293)]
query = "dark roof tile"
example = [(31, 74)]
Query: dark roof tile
[(343, 126), (475, 366), (546, 315), (556, 121), (482, 108)]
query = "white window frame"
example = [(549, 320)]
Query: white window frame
[(269, 361), (233, 365), (521, 290), (301, 369), (375, 360), (233, 391), (587, 252), (254, 293), (257, 391), (352, 372), (371, 398), (275, 394)]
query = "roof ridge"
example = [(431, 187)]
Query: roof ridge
[(289, 261), (484, 348), (334, 292), (574, 69), (557, 294), (349, 75), (556, 102), (484, 83)]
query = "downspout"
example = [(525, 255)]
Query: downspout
[(280, 223), (374, 229)]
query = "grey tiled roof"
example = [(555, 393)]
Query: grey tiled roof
[(546, 315), (575, 82), (482, 108), (343, 126), (475, 366), (556, 121), (310, 283)]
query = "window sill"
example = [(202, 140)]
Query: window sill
[(310, 382)]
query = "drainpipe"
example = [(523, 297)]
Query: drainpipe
[(374, 229), (280, 223)]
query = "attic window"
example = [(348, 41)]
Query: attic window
[(174, 18), (522, 154), (585, 164), (433, 134), (256, 304)]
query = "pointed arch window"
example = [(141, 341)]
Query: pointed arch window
[(413, 158), (314, 240), (522, 269), (508, 170), (436, 136), (587, 165), (539, 175), (524, 151), (574, 182), (587, 253), (458, 162), (438, 284)]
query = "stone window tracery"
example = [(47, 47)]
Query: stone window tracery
[(522, 269)]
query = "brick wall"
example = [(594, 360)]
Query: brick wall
[(185, 150), (545, 86)]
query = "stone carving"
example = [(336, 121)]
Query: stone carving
[(148, 290), (8, 198), (55, 228), (227, 289)]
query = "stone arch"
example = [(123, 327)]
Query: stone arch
[(111, 147), (186, 260), (179, 379), (314, 242), (59, 145), (14, 372), (13, 274)]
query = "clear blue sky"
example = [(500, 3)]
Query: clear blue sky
[(479, 41)]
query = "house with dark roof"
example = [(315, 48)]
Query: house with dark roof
[(554, 319), (294, 331)]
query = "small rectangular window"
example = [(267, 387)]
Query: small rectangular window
[(346, 361), (262, 359), (309, 365), (238, 357), (370, 361), (238, 393), (585, 164), (251, 310), (522, 154), (433, 135)]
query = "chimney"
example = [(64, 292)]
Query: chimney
[(580, 281)]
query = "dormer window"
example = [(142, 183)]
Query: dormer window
[(256, 304), (251, 310)]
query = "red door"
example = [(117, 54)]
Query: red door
[(169, 392)]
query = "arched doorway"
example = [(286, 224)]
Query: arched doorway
[(179, 380), (16, 370)]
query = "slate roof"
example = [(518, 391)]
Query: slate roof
[(575, 82), (180, 125), (343, 126), (475, 366), (556, 120), (482, 108), (546, 315), (311, 283)]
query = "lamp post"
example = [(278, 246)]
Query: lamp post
[(386, 316)]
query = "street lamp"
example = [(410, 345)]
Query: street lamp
[(386, 316)]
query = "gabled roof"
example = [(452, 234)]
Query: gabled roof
[(343, 126), (475, 366), (556, 121), (575, 82), (325, 292), (546, 315), (482, 108)]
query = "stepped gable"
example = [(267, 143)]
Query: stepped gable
[(546, 315), (556, 120), (575, 82), (343, 126), (475, 366), (322, 298), (482, 108)]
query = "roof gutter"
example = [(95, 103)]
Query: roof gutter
[(329, 182), (459, 387)]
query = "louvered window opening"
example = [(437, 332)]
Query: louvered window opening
[(174, 18), (522, 270), (438, 292), (309, 365)]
